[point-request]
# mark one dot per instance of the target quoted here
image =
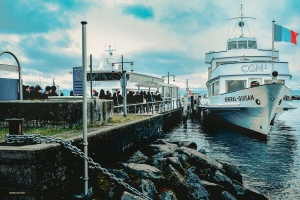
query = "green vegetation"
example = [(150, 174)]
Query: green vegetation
[(68, 133)]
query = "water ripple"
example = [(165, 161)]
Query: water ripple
[(270, 166)]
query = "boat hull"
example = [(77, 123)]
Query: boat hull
[(255, 109)]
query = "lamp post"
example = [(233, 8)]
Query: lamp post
[(123, 83), (169, 76)]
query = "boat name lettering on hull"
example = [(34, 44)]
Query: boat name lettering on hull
[(240, 98), (253, 68)]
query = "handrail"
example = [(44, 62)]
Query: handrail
[(150, 107)]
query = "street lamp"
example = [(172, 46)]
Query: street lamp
[(169, 76), (123, 83)]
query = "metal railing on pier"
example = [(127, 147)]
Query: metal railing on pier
[(150, 107)]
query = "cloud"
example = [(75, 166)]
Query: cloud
[(139, 11)]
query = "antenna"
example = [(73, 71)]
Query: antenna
[(108, 60)]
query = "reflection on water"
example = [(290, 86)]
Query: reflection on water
[(271, 166)]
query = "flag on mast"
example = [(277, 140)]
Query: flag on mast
[(282, 34)]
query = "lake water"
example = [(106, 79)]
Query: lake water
[(271, 166)]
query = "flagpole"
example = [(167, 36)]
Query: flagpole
[(273, 50)]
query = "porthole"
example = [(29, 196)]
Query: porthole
[(272, 98), (257, 101)]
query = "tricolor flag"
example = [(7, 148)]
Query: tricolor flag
[(282, 34)]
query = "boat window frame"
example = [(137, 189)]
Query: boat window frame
[(213, 91), (244, 43), (227, 86)]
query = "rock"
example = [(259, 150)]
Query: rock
[(175, 181), (183, 159), (233, 172), (105, 187), (202, 150), (203, 174), (166, 149), (222, 179), (195, 189), (143, 170), (167, 195), (148, 188), (188, 144), (227, 196), (159, 161), (129, 196), (200, 160), (247, 193), (174, 161), (214, 190), (139, 158), (119, 174)]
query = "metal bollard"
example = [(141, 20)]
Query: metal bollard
[(15, 126)]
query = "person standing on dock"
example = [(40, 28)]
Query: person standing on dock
[(53, 91), (37, 92)]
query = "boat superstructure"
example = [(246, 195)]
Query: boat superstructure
[(108, 76), (247, 86)]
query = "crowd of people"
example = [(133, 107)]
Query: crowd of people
[(133, 97), (35, 92)]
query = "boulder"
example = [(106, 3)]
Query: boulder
[(227, 196), (148, 188), (203, 174), (188, 144), (214, 190), (232, 172), (175, 181), (129, 196), (183, 160), (167, 195), (222, 179), (174, 161), (119, 174), (247, 193), (195, 189), (143, 170), (138, 157), (166, 149), (200, 160)]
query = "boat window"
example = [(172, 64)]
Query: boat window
[(231, 45), (278, 81), (252, 44), (242, 44), (105, 76), (235, 85), (215, 89)]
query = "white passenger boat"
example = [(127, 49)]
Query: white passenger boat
[(108, 76), (232, 99)]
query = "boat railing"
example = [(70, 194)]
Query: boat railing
[(150, 107)]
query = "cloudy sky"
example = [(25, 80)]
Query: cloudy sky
[(159, 36)]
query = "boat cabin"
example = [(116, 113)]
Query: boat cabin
[(241, 64)]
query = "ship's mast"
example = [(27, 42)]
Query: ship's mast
[(108, 60), (241, 22)]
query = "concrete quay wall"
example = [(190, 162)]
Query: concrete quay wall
[(55, 112), (50, 171)]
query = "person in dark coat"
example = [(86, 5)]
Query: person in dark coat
[(37, 92), (120, 97), (27, 92), (102, 94), (116, 102), (53, 91), (46, 92)]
